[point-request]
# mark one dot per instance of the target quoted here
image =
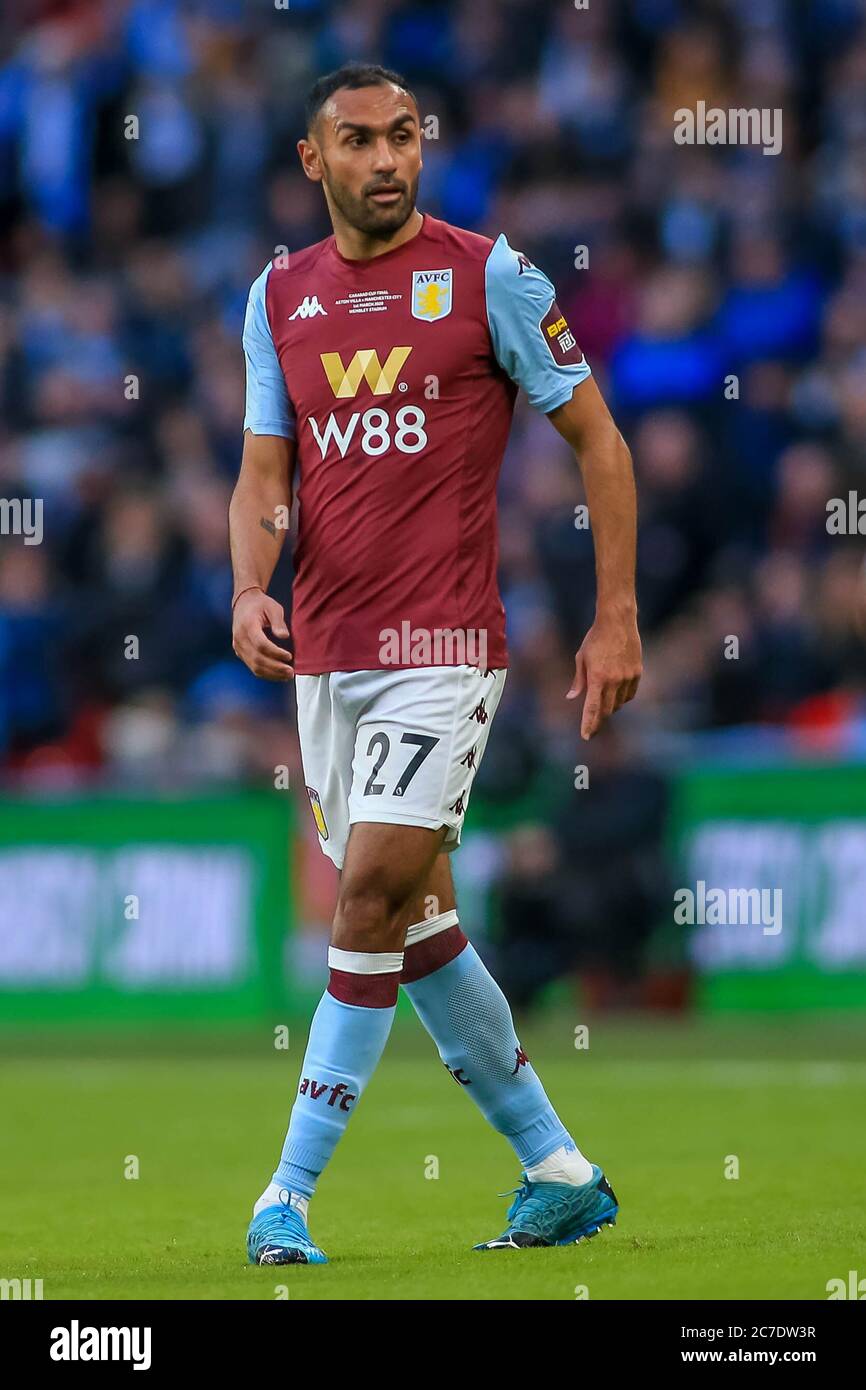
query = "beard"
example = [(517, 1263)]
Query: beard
[(364, 215)]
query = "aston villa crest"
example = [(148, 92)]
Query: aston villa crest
[(431, 294)]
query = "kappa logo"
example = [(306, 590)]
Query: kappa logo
[(316, 1089), (431, 294), (308, 308), (364, 366)]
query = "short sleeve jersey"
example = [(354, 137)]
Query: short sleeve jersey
[(397, 378)]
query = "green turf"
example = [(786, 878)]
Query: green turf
[(660, 1106)]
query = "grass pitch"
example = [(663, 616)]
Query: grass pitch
[(661, 1106)]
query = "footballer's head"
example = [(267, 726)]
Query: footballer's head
[(364, 145)]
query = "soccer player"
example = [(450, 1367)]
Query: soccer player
[(382, 369)]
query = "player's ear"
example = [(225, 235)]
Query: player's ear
[(310, 162)]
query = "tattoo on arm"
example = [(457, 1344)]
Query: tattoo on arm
[(268, 525)]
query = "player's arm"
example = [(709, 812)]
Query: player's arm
[(534, 345), (262, 498), (608, 664), (262, 495)]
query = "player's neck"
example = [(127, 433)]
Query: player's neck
[(358, 246)]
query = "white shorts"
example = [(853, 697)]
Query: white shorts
[(399, 746)]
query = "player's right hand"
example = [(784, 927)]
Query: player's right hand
[(256, 615)]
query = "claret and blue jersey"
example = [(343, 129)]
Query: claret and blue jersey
[(397, 378)]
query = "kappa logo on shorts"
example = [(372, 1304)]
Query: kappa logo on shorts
[(318, 813)]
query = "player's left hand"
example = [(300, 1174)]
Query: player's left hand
[(608, 667)]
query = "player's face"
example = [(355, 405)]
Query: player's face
[(367, 151)]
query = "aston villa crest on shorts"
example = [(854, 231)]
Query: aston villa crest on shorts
[(431, 294)]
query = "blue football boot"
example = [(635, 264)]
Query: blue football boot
[(555, 1213), (279, 1236)]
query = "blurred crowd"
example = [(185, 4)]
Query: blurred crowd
[(148, 172)]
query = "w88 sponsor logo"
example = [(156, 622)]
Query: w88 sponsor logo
[(379, 432)]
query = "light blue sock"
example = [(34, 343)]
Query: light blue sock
[(468, 1017), (345, 1043)]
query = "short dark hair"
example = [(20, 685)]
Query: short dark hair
[(352, 75)]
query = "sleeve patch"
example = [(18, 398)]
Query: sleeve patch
[(559, 338), (531, 339)]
